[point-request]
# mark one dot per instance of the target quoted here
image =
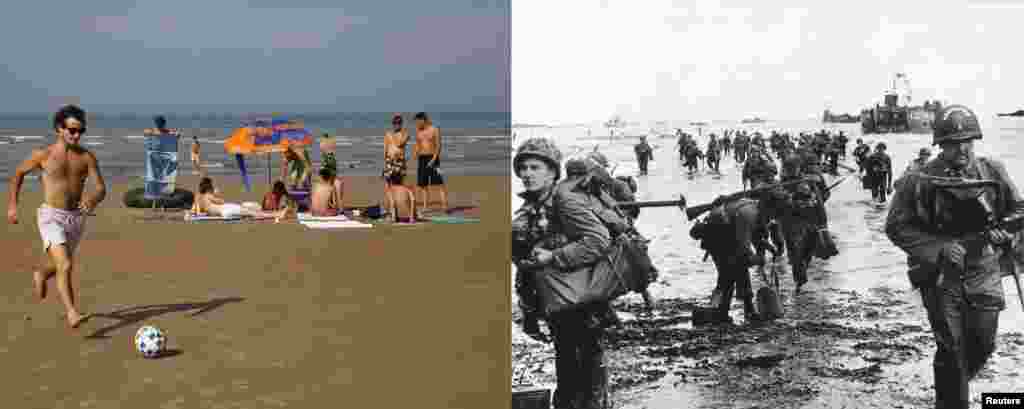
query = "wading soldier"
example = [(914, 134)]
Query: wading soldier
[(958, 273), (644, 154)]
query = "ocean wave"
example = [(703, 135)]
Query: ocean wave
[(27, 137), (484, 136), (134, 137), (92, 143)]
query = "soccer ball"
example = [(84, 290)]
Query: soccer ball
[(150, 341)]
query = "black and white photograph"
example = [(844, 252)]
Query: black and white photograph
[(783, 204)]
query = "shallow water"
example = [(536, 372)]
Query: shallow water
[(868, 313)]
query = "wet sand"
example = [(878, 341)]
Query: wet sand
[(262, 315), (857, 337)]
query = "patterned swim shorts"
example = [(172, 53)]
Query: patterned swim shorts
[(59, 226)]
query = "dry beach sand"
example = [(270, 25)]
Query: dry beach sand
[(264, 315)]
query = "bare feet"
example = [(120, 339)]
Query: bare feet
[(75, 319), (39, 284)]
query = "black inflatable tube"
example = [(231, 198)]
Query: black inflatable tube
[(180, 199)]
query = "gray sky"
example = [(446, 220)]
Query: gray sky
[(354, 56), (786, 59)]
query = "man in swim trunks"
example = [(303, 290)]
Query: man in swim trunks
[(428, 152), (65, 166)]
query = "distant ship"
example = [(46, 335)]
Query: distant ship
[(829, 117), (896, 114), (1019, 112), (698, 124), (754, 120)]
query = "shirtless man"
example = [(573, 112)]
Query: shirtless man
[(428, 151), (324, 201), (65, 166)]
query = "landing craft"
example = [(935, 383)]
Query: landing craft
[(896, 114)]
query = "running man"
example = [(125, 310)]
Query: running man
[(65, 165), (428, 151)]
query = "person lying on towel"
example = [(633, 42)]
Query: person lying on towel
[(210, 203)]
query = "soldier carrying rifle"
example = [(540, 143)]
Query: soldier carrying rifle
[(947, 217)]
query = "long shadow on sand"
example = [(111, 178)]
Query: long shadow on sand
[(133, 315)]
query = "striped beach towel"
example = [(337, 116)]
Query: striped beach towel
[(161, 165)]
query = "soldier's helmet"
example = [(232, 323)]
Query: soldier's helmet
[(955, 123), (924, 152), (539, 148)]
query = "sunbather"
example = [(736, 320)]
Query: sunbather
[(275, 199), (210, 203), (324, 199), (401, 203)]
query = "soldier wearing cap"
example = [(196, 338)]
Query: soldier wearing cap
[(959, 273)]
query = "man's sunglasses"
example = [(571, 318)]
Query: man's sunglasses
[(78, 131)]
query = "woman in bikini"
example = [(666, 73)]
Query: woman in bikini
[(395, 140), (394, 149)]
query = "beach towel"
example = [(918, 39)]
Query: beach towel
[(201, 217), (161, 165), (335, 224), (307, 217), (453, 219)]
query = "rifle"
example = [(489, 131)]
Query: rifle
[(841, 180), (920, 273), (656, 203), (694, 212)]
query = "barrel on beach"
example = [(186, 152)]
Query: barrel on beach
[(531, 398)]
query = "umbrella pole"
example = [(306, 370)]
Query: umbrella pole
[(268, 168)]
